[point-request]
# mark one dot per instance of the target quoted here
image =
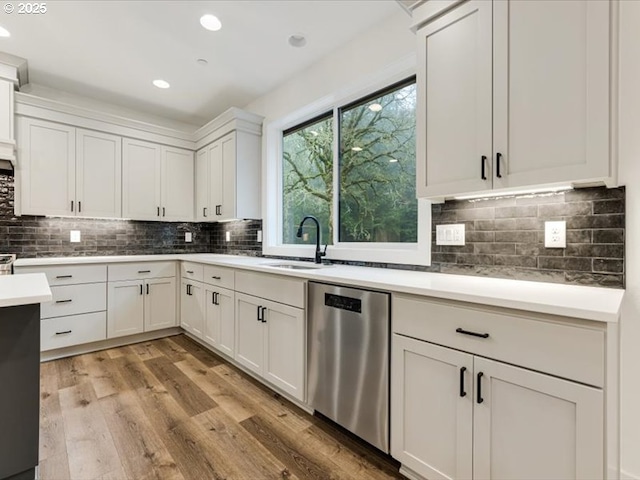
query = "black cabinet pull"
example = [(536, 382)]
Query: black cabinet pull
[(64, 276), (63, 301), (259, 312), (217, 301), (484, 161), (462, 392), (147, 289), (473, 334), (158, 210), (188, 289), (63, 333), (79, 206), (480, 399), (215, 277), (190, 271), (144, 271), (163, 212), (140, 289), (218, 209), (72, 205), (204, 212), (498, 158), (264, 320)]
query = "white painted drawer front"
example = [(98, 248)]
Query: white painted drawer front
[(277, 288), (69, 274), (75, 330), (567, 350), (75, 299), (140, 271), (194, 271), (219, 276)]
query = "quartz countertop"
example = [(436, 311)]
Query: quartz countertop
[(585, 302), (24, 289)]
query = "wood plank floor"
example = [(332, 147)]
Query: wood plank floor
[(170, 409)]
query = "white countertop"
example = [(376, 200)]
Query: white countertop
[(24, 289), (590, 303)]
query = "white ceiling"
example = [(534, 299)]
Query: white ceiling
[(112, 50)]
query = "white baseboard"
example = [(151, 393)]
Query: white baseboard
[(628, 476)]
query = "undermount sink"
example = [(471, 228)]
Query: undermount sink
[(293, 266)]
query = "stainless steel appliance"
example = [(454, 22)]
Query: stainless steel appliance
[(6, 264), (348, 359)]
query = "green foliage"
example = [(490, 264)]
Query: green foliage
[(377, 173)]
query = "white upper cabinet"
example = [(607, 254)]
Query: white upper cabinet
[(46, 167), (69, 171), (514, 94), (98, 174), (157, 182), (177, 184), (228, 178), (141, 167)]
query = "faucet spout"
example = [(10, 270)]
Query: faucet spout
[(319, 254)]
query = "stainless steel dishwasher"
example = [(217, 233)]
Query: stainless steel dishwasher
[(348, 359)]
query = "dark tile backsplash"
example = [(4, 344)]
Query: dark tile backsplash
[(504, 237)]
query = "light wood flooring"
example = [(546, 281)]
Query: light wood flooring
[(170, 409)]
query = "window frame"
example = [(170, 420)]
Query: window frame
[(418, 253)]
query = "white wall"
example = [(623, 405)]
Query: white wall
[(629, 152), (371, 52)]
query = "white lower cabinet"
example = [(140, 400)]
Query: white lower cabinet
[(192, 307), (219, 320), (270, 342), (136, 306), (457, 415)]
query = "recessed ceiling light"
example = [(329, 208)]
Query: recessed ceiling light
[(4, 32), (210, 22), (202, 62), (356, 149), (393, 160), (161, 83), (297, 40), (375, 107)]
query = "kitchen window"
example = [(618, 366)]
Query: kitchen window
[(352, 166)]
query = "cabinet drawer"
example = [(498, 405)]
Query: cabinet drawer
[(75, 299), (279, 288), (140, 271), (565, 349), (75, 330), (219, 276), (194, 271), (69, 274)]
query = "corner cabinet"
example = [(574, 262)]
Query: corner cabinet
[(502, 105), (68, 171), (468, 399), (228, 178), (157, 182)]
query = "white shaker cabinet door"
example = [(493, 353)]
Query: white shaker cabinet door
[(46, 167), (177, 184), (98, 174), (141, 171), (530, 425), (454, 102), (228, 177), (249, 350), (284, 363), (219, 328), (192, 308), (203, 205), (125, 308), (551, 91), (160, 304), (431, 409)]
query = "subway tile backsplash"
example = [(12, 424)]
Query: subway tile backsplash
[(505, 237)]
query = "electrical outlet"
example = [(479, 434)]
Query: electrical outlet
[(450, 234), (259, 236), (227, 236), (555, 234), (188, 237), (74, 236)]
